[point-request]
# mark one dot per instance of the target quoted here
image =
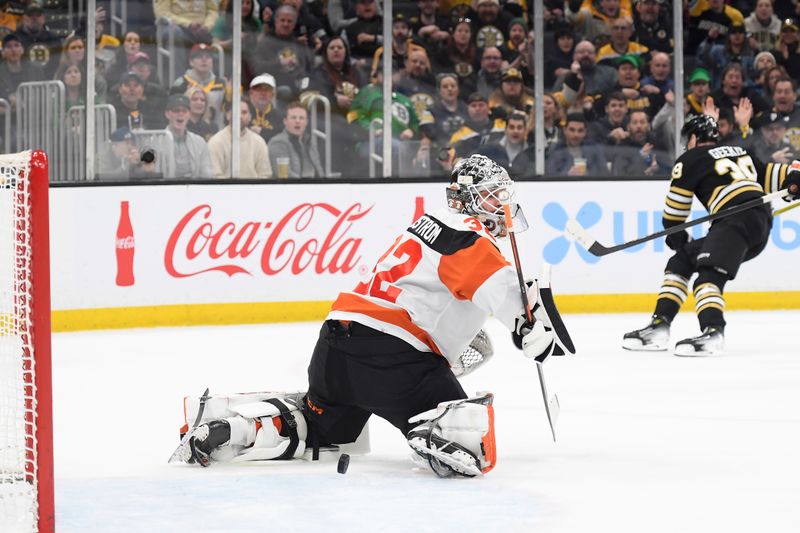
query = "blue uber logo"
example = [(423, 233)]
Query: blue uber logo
[(556, 216)]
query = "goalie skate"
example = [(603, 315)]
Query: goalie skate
[(710, 342), (652, 338), (446, 458)]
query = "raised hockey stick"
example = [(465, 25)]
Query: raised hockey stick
[(551, 405), (595, 248)]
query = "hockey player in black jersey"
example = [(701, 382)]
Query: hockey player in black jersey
[(720, 176)]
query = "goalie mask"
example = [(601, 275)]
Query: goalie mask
[(480, 187)]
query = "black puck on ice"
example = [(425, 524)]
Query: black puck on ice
[(344, 462)]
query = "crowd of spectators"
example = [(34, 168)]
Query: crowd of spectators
[(462, 80)]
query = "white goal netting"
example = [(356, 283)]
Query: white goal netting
[(18, 501)]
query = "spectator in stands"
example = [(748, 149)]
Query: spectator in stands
[(558, 58), (734, 48), (734, 128), (769, 142), (154, 93), (699, 90), (711, 21), (645, 98), (449, 111), (552, 121), (131, 46), (518, 50), (653, 25), (636, 155), (199, 115), (611, 129), (491, 72), (458, 54), (593, 21), (295, 145), (512, 95), (513, 151), (598, 80), (222, 32), (200, 74), (133, 111), (74, 53), (733, 88), (784, 103), (491, 24), (764, 61), (787, 51), (267, 118), (478, 128), (338, 80), (280, 53), (770, 78), (190, 22), (428, 24), (309, 29), (41, 45), (74, 87), (119, 159), (621, 44), (574, 156), (253, 152), (401, 38), (190, 151), (15, 68), (418, 84), (763, 26), (365, 34), (660, 77)]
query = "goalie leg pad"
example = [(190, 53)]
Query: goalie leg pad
[(457, 437)]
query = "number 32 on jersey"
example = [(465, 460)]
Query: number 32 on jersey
[(400, 260)]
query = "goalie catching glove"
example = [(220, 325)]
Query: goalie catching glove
[(547, 335)]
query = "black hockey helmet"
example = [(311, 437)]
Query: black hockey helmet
[(703, 127)]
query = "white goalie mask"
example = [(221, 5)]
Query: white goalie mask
[(480, 187)]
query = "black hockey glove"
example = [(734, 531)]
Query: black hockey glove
[(792, 184), (521, 328), (677, 240)]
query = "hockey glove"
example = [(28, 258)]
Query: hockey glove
[(676, 241), (539, 342), (521, 328), (792, 181)]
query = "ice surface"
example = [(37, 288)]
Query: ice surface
[(648, 442)]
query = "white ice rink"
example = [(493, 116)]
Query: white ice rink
[(647, 442)]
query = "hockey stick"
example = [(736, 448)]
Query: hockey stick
[(551, 405), (782, 210), (595, 248)]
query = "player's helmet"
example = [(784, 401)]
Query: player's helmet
[(703, 127), (480, 187)]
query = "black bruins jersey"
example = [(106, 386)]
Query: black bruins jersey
[(720, 176)]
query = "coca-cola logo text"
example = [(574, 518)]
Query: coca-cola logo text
[(231, 244), (125, 243)]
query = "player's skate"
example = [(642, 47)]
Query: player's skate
[(652, 338), (197, 445), (710, 342)]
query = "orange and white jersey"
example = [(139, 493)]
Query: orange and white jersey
[(436, 286)]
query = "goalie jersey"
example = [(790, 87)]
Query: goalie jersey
[(436, 286), (720, 176)]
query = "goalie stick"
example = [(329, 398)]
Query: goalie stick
[(183, 448), (583, 237), (551, 405)]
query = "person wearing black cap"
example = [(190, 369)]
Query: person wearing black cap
[(652, 21), (512, 95), (120, 159), (15, 69), (478, 128), (201, 74), (711, 21), (190, 151), (133, 110), (41, 45), (787, 49), (769, 143), (735, 48), (558, 56)]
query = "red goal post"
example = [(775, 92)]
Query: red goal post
[(26, 422)]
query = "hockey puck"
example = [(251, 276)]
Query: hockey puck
[(344, 462)]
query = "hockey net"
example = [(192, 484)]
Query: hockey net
[(26, 459)]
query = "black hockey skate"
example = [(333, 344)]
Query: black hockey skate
[(653, 338), (710, 342)]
